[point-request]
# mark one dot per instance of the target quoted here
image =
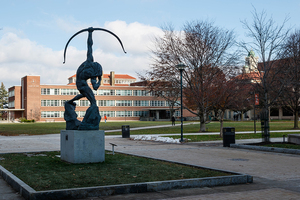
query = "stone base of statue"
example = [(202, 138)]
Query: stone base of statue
[(86, 146)]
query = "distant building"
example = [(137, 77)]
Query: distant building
[(253, 71), (119, 98)]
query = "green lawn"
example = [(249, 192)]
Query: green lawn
[(55, 127), (12, 129), (49, 172)]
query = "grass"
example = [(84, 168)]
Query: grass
[(11, 129), (48, 172), (56, 127)]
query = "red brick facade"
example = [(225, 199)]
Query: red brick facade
[(117, 98)]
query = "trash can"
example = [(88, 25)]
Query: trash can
[(125, 131), (228, 136)]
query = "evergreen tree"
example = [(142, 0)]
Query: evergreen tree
[(3, 95)]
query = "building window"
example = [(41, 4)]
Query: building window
[(124, 92), (123, 103), (48, 114), (177, 113), (62, 102), (11, 93), (84, 103), (50, 103), (69, 92), (123, 113), (139, 93), (153, 93), (107, 113), (45, 91), (140, 103), (11, 104), (54, 91), (49, 91), (140, 113), (106, 102), (157, 103), (106, 92)]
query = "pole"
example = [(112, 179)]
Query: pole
[(254, 121), (181, 140), (254, 114)]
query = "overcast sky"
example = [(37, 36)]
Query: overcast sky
[(34, 32)]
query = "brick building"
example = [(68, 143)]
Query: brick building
[(119, 98)]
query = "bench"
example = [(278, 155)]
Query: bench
[(113, 147)]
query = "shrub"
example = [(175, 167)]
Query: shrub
[(23, 119)]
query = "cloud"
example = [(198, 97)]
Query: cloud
[(137, 38), (20, 56)]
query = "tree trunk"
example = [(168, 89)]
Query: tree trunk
[(202, 123), (242, 115), (221, 123), (296, 119), (202, 127)]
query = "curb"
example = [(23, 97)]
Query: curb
[(269, 149), (30, 194)]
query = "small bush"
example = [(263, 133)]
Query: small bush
[(26, 120)]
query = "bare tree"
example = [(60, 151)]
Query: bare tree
[(267, 39), (290, 97), (224, 95), (206, 50)]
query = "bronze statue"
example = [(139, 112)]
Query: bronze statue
[(87, 70)]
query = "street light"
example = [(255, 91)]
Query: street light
[(181, 67)]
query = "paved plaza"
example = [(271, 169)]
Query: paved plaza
[(276, 175)]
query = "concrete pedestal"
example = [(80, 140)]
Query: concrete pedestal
[(86, 146)]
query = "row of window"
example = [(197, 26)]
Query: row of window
[(60, 114), (11, 104), (117, 81), (54, 91), (11, 93), (54, 103)]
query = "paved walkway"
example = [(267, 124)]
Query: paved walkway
[(276, 175)]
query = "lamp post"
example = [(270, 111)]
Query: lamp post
[(254, 103), (181, 67)]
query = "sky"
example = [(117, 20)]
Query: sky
[(33, 33)]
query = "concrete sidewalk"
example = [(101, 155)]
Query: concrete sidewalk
[(276, 175)]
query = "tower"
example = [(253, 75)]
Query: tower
[(251, 63)]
